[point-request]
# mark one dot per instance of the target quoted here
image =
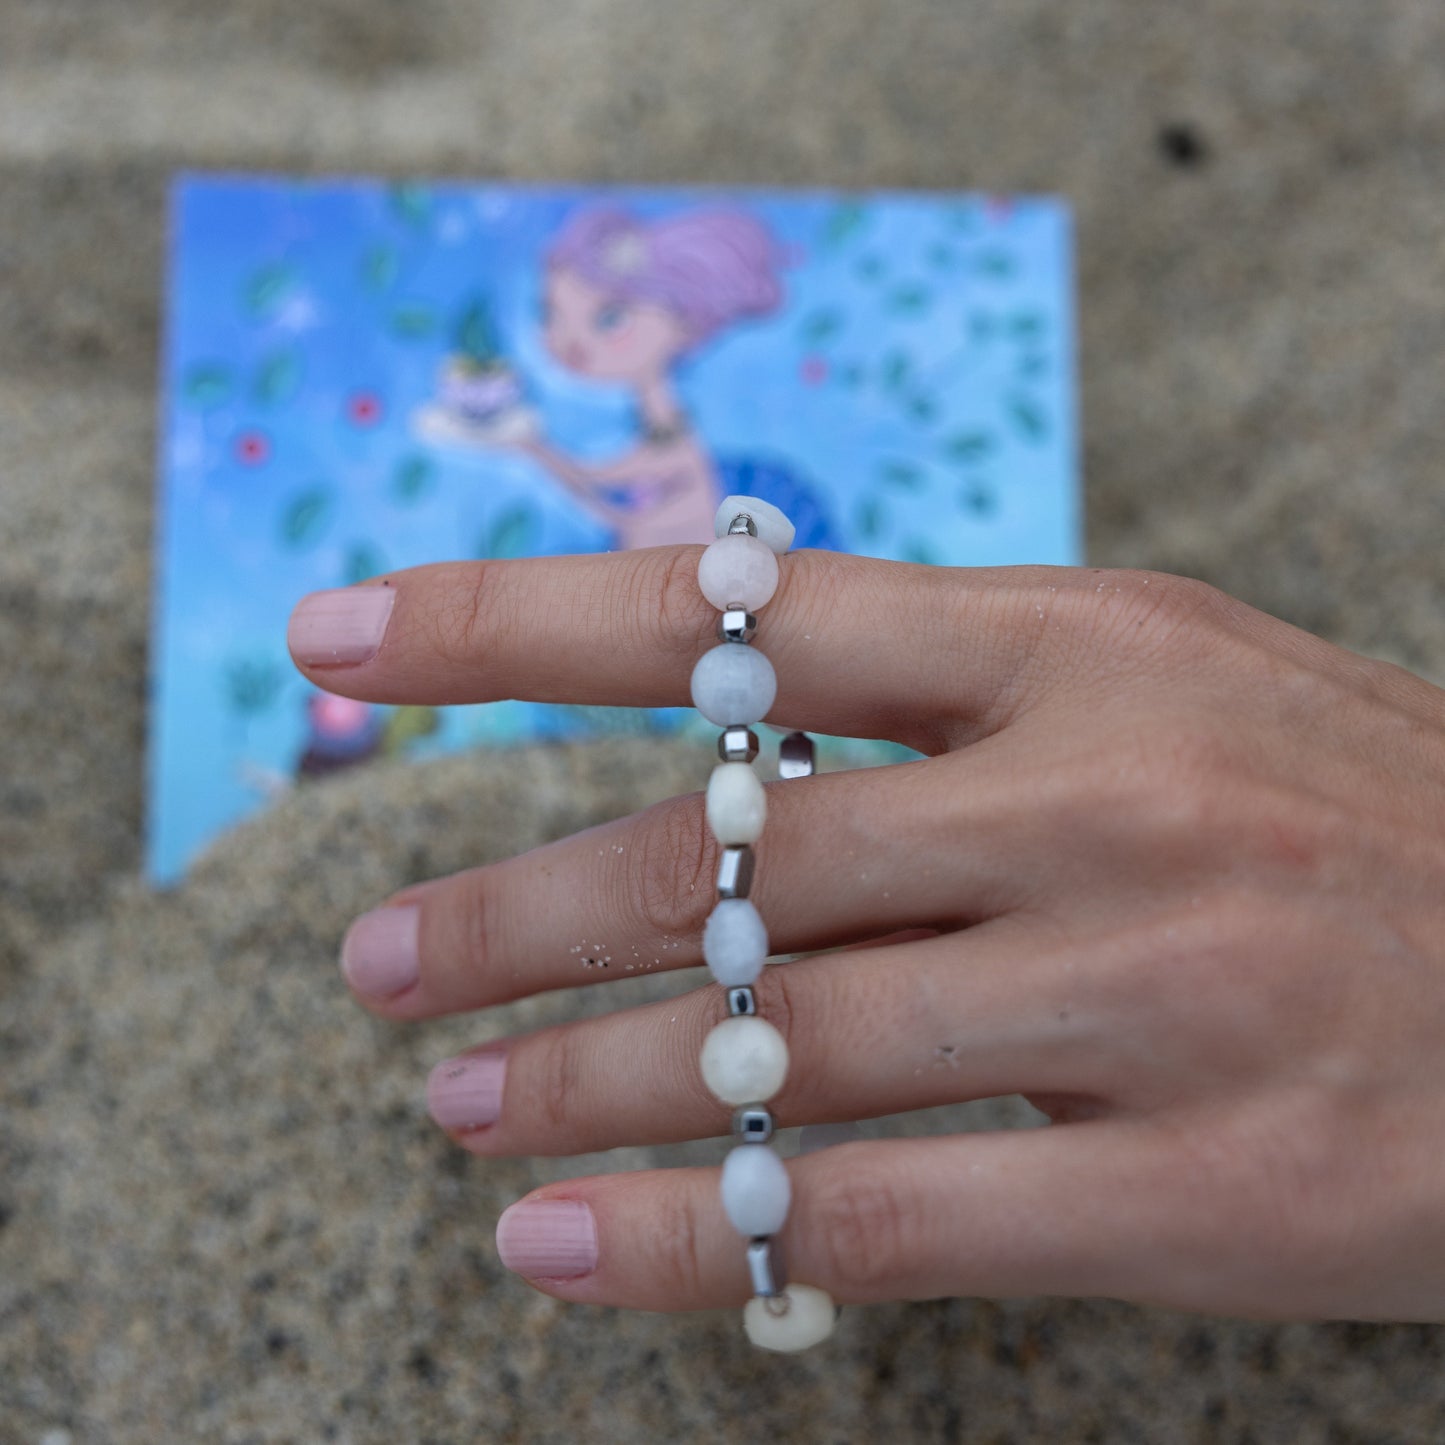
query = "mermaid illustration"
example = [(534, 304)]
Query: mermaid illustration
[(625, 302)]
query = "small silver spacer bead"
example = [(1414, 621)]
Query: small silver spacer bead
[(736, 624), (737, 745), (752, 1124), (742, 1001), (735, 871), (770, 1278), (742, 523), (797, 757)]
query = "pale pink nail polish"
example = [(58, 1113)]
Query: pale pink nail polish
[(379, 953), (466, 1092), (548, 1238), (340, 628)]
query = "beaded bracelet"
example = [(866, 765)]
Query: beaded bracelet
[(744, 1058)]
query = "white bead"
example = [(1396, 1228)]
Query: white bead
[(744, 1060), (810, 1319), (735, 945), (733, 686), (755, 1190), (772, 526), (737, 806), (738, 571)]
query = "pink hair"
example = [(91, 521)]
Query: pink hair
[(711, 268)]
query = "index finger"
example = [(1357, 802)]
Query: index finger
[(862, 647)]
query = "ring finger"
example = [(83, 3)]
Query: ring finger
[(884, 1030)]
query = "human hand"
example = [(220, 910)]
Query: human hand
[(1187, 871)]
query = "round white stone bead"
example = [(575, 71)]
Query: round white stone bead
[(772, 525), (744, 1060), (733, 686), (737, 806), (756, 1190), (810, 1319), (738, 571), (735, 945)]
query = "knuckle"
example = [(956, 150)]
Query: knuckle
[(557, 1074), (668, 599), (1144, 611), (474, 615), (670, 888), (677, 1259), (476, 926), (864, 1226)]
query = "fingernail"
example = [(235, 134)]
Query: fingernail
[(340, 628), (379, 953), (548, 1238), (466, 1092)]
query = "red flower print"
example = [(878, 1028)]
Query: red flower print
[(364, 408), (253, 449)]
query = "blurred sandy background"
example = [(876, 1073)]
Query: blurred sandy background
[(223, 1214)]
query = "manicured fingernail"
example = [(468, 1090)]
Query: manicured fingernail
[(466, 1092), (340, 628), (379, 953), (548, 1238)]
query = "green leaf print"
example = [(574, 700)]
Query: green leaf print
[(412, 320), (379, 267), (412, 203), (305, 519), (910, 299), (510, 534), (845, 221), (870, 518), (821, 326), (206, 384), (968, 446), (1029, 418), (362, 561), (902, 474), (278, 378), (413, 479), (896, 367), (268, 286)]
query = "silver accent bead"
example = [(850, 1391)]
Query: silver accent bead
[(737, 624), (742, 1001), (742, 523), (797, 758), (752, 1124), (737, 745), (735, 872), (765, 1265)]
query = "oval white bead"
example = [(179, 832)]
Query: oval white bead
[(737, 806), (773, 526), (735, 944), (810, 1319), (733, 686), (738, 570), (744, 1060), (755, 1190)]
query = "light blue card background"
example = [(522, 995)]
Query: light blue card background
[(915, 390)]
